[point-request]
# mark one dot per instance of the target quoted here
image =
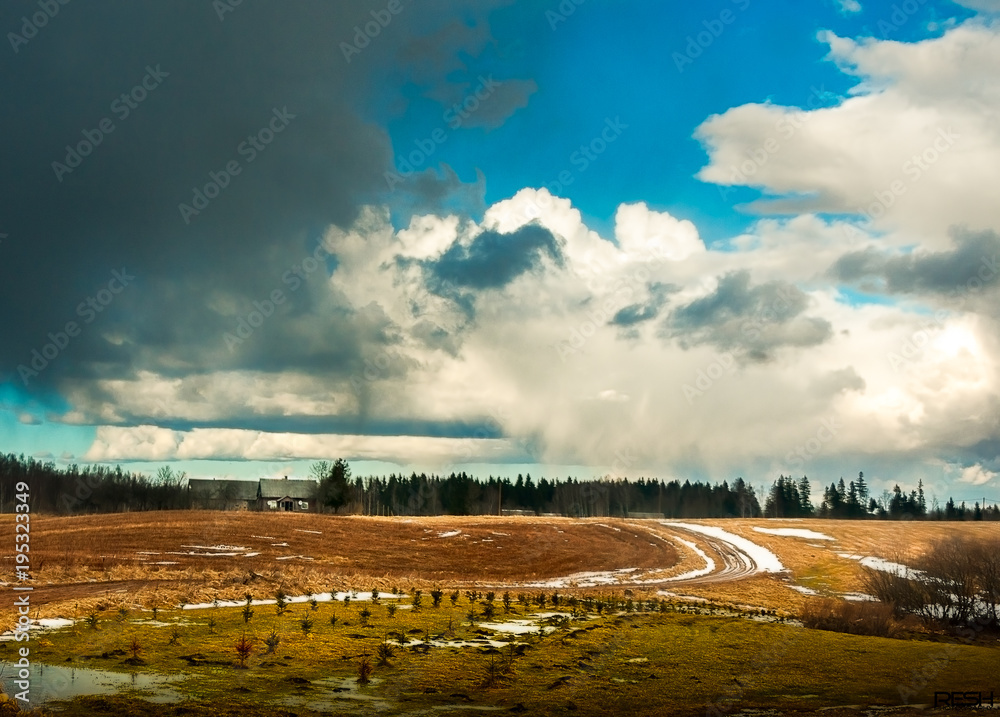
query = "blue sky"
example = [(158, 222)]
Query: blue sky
[(582, 269)]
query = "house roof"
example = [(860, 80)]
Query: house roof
[(271, 488), (224, 488)]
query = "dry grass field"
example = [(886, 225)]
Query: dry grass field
[(101, 561)]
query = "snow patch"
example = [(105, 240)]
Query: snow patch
[(765, 560), (709, 563), (794, 533), (450, 534)]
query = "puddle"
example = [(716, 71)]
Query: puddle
[(328, 693), (51, 682)]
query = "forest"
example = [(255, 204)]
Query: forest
[(99, 489)]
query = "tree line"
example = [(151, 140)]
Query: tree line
[(100, 489)]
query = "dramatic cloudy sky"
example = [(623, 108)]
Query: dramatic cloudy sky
[(692, 240)]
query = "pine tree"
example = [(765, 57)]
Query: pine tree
[(805, 498)]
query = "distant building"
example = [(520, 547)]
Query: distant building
[(281, 494), (224, 494)]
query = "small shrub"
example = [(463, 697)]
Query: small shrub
[(272, 641), (244, 648), (491, 596), (306, 624), (391, 609), (333, 621), (365, 670), (156, 610), (375, 595), (489, 611), (247, 613), (211, 625), (365, 614), (436, 596), (134, 648), (175, 635), (92, 619), (384, 653), (313, 603), (417, 599), (496, 672), (454, 598), (281, 601), (856, 618), (506, 600), (122, 614)]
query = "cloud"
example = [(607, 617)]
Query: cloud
[(151, 443), (960, 274), (492, 260), (909, 151), (197, 275), (977, 475), (754, 320), (849, 7)]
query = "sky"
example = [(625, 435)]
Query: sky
[(634, 238)]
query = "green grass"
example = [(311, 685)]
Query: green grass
[(641, 663)]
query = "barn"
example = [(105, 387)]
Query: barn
[(281, 494), (224, 494)]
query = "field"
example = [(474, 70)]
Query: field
[(653, 617)]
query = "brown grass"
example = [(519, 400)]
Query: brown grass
[(97, 561)]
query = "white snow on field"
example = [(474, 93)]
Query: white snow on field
[(794, 533), (227, 548), (264, 537), (709, 563), (450, 534), (316, 532), (43, 625), (765, 560), (292, 557), (319, 597), (280, 545), (885, 566), (584, 579), (804, 590), (514, 627), (859, 597)]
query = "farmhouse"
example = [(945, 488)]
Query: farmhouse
[(298, 496), (223, 494)]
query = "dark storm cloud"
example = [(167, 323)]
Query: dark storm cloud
[(493, 260), (639, 313), (973, 262), (753, 321), (263, 104)]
